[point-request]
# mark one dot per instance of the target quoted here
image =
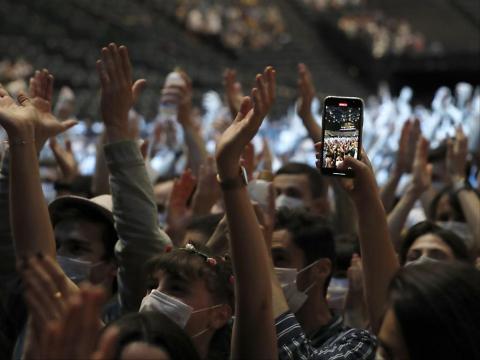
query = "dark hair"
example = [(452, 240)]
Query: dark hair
[(437, 309), (154, 328), (318, 186), (83, 212), (454, 202), (193, 265), (311, 233), (205, 224), (454, 242)]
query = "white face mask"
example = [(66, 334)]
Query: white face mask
[(288, 202), (288, 280), (175, 309), (76, 270)]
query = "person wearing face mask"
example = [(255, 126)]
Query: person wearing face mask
[(299, 185), (303, 253), (428, 241), (195, 290)]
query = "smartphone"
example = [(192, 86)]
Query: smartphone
[(342, 123)]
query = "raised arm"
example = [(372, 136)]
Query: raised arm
[(253, 295), (28, 125), (403, 162), (457, 152), (306, 91), (421, 181), (134, 208), (378, 255)]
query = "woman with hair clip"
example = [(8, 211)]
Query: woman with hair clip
[(194, 289)]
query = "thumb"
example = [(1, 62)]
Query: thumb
[(137, 89), (353, 163), (67, 124)]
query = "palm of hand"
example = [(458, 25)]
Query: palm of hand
[(232, 141)]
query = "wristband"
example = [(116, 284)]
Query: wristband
[(234, 183), (460, 185)]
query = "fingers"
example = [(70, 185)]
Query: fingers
[(102, 74), (67, 124), (137, 88), (40, 290), (23, 99), (107, 344), (245, 108), (271, 75), (125, 63), (421, 153)]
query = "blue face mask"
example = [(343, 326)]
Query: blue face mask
[(76, 270)]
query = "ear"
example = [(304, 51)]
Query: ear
[(221, 316), (321, 206)]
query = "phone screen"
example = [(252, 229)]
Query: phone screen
[(342, 127)]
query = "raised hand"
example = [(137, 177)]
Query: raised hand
[(65, 159), (421, 170), (30, 120), (177, 208), (41, 86), (457, 152), (233, 91), (119, 93), (407, 147), (246, 124), (47, 290), (306, 92), (363, 184), (182, 96), (75, 335)]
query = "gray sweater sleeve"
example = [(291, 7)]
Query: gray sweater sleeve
[(7, 249), (135, 214)]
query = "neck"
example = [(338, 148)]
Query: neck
[(314, 313)]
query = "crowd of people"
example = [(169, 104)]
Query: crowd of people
[(337, 147), (251, 24), (382, 34), (190, 241)]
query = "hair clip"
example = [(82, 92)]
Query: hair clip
[(231, 279), (211, 261), (168, 248)]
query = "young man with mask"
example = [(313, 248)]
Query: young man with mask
[(303, 253), (299, 185)]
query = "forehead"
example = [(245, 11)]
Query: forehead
[(79, 229), (298, 181), (283, 244), (430, 242)]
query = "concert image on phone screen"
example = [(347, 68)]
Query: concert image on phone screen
[(342, 129)]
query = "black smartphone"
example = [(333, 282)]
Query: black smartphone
[(342, 123)]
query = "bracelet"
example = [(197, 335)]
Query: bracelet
[(17, 141), (234, 183), (461, 184)]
